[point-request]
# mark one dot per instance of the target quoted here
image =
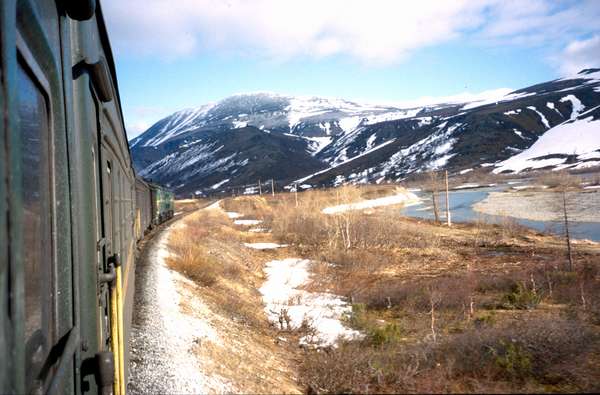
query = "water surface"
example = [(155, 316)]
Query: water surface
[(461, 210)]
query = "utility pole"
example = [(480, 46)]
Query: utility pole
[(259, 188), (567, 235), (448, 220), (272, 188), (296, 194)]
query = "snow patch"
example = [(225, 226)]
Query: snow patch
[(406, 198), (258, 230), (284, 298), (233, 214), (542, 117), (575, 104), (264, 246), (218, 184), (518, 133), (500, 95), (247, 222), (467, 186), (239, 124), (348, 124), (317, 144)]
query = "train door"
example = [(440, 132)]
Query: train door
[(112, 174), (106, 196), (42, 337), (102, 306)]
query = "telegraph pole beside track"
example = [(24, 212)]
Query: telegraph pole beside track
[(448, 220)]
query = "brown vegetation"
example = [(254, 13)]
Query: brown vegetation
[(473, 308), (478, 307), (208, 249)]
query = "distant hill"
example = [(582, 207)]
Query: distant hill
[(320, 141)]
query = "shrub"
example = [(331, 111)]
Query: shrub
[(386, 334), (201, 269), (520, 297), (487, 318), (377, 332), (513, 359), (534, 351)]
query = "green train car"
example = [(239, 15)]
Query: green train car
[(163, 204), (71, 206)]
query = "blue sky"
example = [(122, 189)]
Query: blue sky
[(179, 54)]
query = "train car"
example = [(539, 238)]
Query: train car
[(71, 209), (143, 197), (163, 205)]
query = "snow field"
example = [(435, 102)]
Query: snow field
[(580, 137)]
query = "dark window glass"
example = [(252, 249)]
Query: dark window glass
[(37, 250)]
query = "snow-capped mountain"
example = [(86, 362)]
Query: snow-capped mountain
[(248, 137)]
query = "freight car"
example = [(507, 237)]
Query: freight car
[(71, 208)]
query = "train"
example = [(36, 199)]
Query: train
[(72, 208)]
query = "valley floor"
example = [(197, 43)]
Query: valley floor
[(269, 283)]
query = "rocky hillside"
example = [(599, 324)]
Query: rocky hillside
[(318, 141)]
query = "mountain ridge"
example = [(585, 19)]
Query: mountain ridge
[(324, 141)]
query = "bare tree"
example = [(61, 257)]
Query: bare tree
[(562, 181), (433, 186), (435, 297)]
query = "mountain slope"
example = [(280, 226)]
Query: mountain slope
[(321, 141)]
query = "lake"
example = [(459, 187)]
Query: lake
[(461, 210)]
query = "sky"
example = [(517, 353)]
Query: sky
[(176, 54)]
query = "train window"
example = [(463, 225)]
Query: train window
[(37, 251)]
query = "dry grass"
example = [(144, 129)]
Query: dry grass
[(473, 308), (188, 205), (208, 250), (483, 281), (562, 179)]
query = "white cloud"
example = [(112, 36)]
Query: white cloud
[(139, 119), (581, 54), (134, 129), (374, 31)]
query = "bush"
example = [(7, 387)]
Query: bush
[(513, 359), (201, 269), (377, 332), (477, 361), (386, 334), (521, 298)]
